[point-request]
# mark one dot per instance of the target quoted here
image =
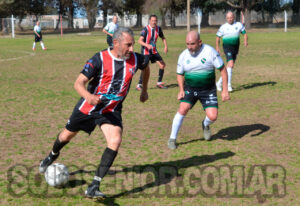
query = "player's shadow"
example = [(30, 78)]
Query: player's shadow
[(235, 132), (252, 85), (165, 172)]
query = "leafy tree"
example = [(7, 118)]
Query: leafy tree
[(245, 6)]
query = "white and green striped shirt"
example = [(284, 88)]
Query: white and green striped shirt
[(199, 70), (231, 33)]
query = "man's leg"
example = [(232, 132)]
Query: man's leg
[(177, 122), (229, 68), (42, 45), (161, 65), (211, 117), (62, 139), (113, 136)]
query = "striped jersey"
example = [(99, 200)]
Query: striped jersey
[(110, 79), (150, 37), (199, 69), (231, 33)]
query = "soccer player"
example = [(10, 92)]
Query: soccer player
[(148, 41), (110, 29), (196, 80), (230, 33), (38, 36), (108, 74)]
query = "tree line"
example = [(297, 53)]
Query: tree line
[(91, 9)]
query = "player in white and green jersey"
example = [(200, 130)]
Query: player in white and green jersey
[(110, 29), (38, 36), (196, 80), (230, 33)]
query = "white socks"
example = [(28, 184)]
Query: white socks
[(42, 44), (177, 122), (229, 74), (207, 121)]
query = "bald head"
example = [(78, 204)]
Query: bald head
[(193, 42), (193, 35), (230, 17)]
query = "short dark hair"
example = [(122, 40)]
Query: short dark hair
[(152, 15), (119, 33)]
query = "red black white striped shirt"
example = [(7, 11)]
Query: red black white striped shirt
[(110, 79), (150, 37)]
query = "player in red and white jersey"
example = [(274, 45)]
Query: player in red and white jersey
[(147, 40), (108, 75)]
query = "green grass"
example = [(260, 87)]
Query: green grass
[(258, 126)]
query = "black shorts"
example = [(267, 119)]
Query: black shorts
[(38, 39), (154, 57), (79, 121), (109, 41), (231, 52), (208, 98)]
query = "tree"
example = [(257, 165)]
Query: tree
[(296, 14), (91, 9), (111, 7), (245, 6), (136, 7)]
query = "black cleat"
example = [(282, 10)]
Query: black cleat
[(47, 161), (93, 192)]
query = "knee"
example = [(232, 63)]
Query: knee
[(213, 117), (183, 111), (114, 143), (163, 65)]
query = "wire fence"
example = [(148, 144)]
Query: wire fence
[(51, 22)]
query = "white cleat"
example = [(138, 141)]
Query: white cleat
[(229, 88), (219, 87)]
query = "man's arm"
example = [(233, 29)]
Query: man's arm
[(224, 94), (166, 46), (180, 81), (141, 42), (80, 87), (145, 75), (245, 40), (107, 32), (218, 44)]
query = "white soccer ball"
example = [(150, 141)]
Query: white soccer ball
[(57, 175)]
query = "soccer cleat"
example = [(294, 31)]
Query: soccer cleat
[(206, 131), (139, 87), (229, 88), (219, 87), (93, 192), (172, 144), (47, 162), (161, 85)]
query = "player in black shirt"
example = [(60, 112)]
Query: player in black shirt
[(108, 74)]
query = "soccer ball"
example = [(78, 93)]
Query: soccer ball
[(57, 175)]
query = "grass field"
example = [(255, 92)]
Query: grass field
[(256, 136)]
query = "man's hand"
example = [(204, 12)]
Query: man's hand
[(93, 99), (225, 96), (149, 46), (180, 95), (144, 96), (166, 50), (246, 43)]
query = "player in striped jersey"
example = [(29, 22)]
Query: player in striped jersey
[(108, 74), (148, 41), (230, 33)]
